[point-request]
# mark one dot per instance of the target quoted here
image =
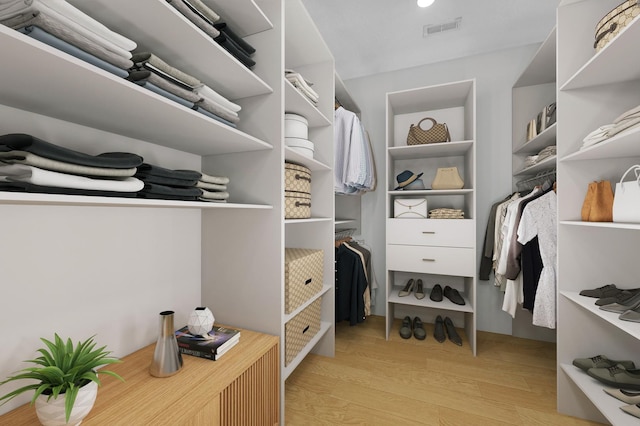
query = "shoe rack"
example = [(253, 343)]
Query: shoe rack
[(593, 89), (437, 251)]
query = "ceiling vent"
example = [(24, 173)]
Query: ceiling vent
[(432, 29)]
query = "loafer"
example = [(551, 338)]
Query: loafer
[(600, 361), (630, 303), (604, 291), (630, 397), (436, 293), (617, 376), (451, 332), (621, 297), (405, 328), (632, 315), (419, 290), (418, 329), (408, 288), (453, 295), (438, 330)]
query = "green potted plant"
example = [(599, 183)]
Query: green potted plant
[(66, 376)]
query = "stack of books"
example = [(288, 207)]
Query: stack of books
[(221, 340)]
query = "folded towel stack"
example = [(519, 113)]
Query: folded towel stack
[(625, 122), (66, 28), (303, 86), (532, 160), (446, 214), (186, 185), (29, 164)]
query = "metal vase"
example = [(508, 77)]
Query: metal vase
[(167, 359)]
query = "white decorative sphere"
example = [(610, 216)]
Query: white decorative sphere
[(200, 321)]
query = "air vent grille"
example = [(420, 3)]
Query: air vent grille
[(432, 29)]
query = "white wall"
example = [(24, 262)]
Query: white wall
[(495, 74)]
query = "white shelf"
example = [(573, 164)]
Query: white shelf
[(542, 68), (546, 164), (295, 157), (535, 145), (594, 390), (599, 70), (303, 43), (244, 17), (147, 24), (324, 328), (295, 102), (147, 116), (343, 221), (443, 149), (309, 220), (588, 303), (20, 198), (609, 225), (430, 98), (445, 304), (432, 192), (622, 145)]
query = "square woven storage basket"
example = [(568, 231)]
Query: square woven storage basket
[(301, 329), (303, 274)]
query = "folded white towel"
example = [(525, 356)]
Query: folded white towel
[(207, 92), (211, 186), (220, 180)]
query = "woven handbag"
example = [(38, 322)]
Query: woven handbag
[(439, 132)]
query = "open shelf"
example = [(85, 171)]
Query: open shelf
[(442, 149)]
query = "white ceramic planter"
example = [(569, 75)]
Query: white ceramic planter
[(51, 413)]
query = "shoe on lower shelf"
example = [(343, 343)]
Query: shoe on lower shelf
[(405, 328), (438, 330), (617, 376), (634, 409), (436, 293), (631, 303), (632, 315), (630, 397), (451, 332), (419, 290), (408, 288), (418, 329), (607, 290), (621, 297), (453, 295), (600, 361)]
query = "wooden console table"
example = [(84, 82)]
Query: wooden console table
[(241, 388)]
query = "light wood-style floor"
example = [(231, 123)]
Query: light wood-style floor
[(372, 381)]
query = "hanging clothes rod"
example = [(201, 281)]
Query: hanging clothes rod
[(538, 179)]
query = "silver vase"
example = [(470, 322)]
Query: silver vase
[(167, 359)]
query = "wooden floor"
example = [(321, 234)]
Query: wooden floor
[(372, 381)]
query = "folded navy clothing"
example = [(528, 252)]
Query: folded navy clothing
[(239, 41), (232, 48), (162, 180), (25, 142), (153, 170), (39, 189)]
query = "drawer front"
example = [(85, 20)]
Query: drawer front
[(432, 260), (432, 232)]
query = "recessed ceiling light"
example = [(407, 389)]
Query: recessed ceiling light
[(425, 3)]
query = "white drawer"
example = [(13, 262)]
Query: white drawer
[(432, 260), (432, 232)]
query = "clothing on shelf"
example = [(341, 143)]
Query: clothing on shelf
[(625, 122), (354, 167), (303, 86)]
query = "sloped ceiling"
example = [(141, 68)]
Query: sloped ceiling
[(374, 36)]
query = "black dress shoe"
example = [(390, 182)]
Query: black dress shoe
[(451, 331), (405, 328), (438, 331), (418, 330), (453, 295), (436, 293)]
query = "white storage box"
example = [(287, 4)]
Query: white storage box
[(410, 208), (295, 126), (301, 146)]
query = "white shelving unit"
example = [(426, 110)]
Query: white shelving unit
[(449, 242), (88, 257), (594, 88)]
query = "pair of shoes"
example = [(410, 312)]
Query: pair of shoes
[(621, 297), (451, 331), (453, 295), (414, 328), (436, 293), (409, 286), (600, 361), (607, 290), (631, 303), (617, 376), (630, 397), (438, 331)]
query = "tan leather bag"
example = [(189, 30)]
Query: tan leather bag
[(438, 132), (598, 202), (447, 178)]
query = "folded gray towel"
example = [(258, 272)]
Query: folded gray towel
[(164, 84), (31, 159), (205, 10), (216, 109), (221, 180), (201, 22), (211, 186), (146, 57)]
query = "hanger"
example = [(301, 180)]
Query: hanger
[(336, 103)]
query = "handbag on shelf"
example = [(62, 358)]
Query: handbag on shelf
[(415, 208), (447, 178), (598, 202), (546, 117), (613, 22), (626, 203), (438, 132)]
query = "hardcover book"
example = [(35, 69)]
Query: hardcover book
[(221, 338), (207, 355)]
